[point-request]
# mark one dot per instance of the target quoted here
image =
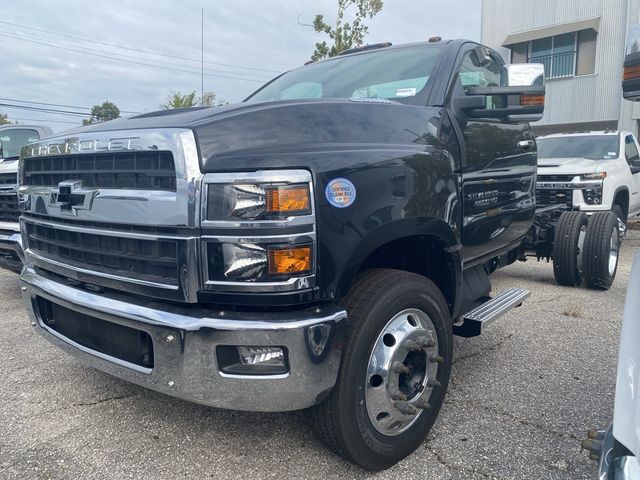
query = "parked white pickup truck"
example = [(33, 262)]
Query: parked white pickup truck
[(590, 172)]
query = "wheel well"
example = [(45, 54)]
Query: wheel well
[(622, 199), (422, 254)]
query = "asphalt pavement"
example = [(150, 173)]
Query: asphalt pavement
[(522, 397)]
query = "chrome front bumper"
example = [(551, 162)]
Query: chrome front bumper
[(186, 366), (11, 252)]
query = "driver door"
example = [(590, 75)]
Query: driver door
[(498, 168)]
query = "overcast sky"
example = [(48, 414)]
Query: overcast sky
[(246, 42)]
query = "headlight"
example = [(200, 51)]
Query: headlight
[(594, 176), (236, 262), (257, 202), (259, 231)]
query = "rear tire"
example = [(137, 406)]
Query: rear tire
[(569, 235), (601, 251), (345, 421)]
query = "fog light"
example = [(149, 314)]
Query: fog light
[(261, 356), (252, 360)]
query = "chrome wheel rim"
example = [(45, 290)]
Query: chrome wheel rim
[(614, 246), (579, 260), (402, 372)]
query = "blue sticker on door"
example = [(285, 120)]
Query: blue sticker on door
[(340, 192)]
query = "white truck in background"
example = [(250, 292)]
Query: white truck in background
[(12, 138), (590, 172)]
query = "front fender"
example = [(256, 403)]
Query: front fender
[(434, 228)]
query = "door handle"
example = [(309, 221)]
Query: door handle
[(525, 144)]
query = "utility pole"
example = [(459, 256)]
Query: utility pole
[(202, 58)]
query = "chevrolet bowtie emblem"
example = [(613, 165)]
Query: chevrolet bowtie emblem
[(71, 197)]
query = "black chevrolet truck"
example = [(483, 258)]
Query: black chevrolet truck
[(313, 247)]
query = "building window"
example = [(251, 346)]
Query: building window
[(563, 55)]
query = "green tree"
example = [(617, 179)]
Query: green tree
[(4, 119), (178, 100), (209, 100), (102, 113), (344, 34)]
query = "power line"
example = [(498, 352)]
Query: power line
[(54, 104), (128, 61), (43, 120), (46, 110), (139, 49), (92, 50)]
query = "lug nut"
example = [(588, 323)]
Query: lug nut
[(422, 404), (398, 395), (594, 447), (405, 408), (595, 434), (399, 367)]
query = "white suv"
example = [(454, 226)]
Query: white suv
[(590, 172)]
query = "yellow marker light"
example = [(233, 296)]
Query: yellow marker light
[(531, 100), (288, 199), (631, 72), (289, 260)]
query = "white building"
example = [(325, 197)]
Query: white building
[(582, 45)]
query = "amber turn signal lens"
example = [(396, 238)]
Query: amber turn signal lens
[(631, 72), (289, 260), (289, 199), (530, 100)]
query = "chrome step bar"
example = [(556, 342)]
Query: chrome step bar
[(479, 317)]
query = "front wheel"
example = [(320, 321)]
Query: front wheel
[(394, 373)]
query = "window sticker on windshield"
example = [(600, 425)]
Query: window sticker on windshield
[(611, 154), (405, 92)]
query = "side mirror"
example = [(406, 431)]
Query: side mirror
[(634, 169), (631, 67), (521, 101), (1, 155), (631, 77)]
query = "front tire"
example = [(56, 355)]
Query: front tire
[(394, 373), (601, 251)]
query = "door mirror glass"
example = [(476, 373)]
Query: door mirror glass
[(525, 75), (631, 72)]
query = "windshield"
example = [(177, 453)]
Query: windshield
[(592, 147), (14, 139), (399, 74)]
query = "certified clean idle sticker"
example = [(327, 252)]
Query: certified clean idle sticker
[(340, 192)]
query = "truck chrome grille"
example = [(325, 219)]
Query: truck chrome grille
[(546, 197), (152, 260), (122, 170), (8, 180), (9, 210)]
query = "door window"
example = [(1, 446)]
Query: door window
[(480, 72), (631, 151)]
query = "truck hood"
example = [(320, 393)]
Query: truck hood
[(9, 166), (626, 418), (285, 126), (567, 166)]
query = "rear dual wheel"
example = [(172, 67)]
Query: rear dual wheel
[(601, 251), (586, 248), (394, 372)]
